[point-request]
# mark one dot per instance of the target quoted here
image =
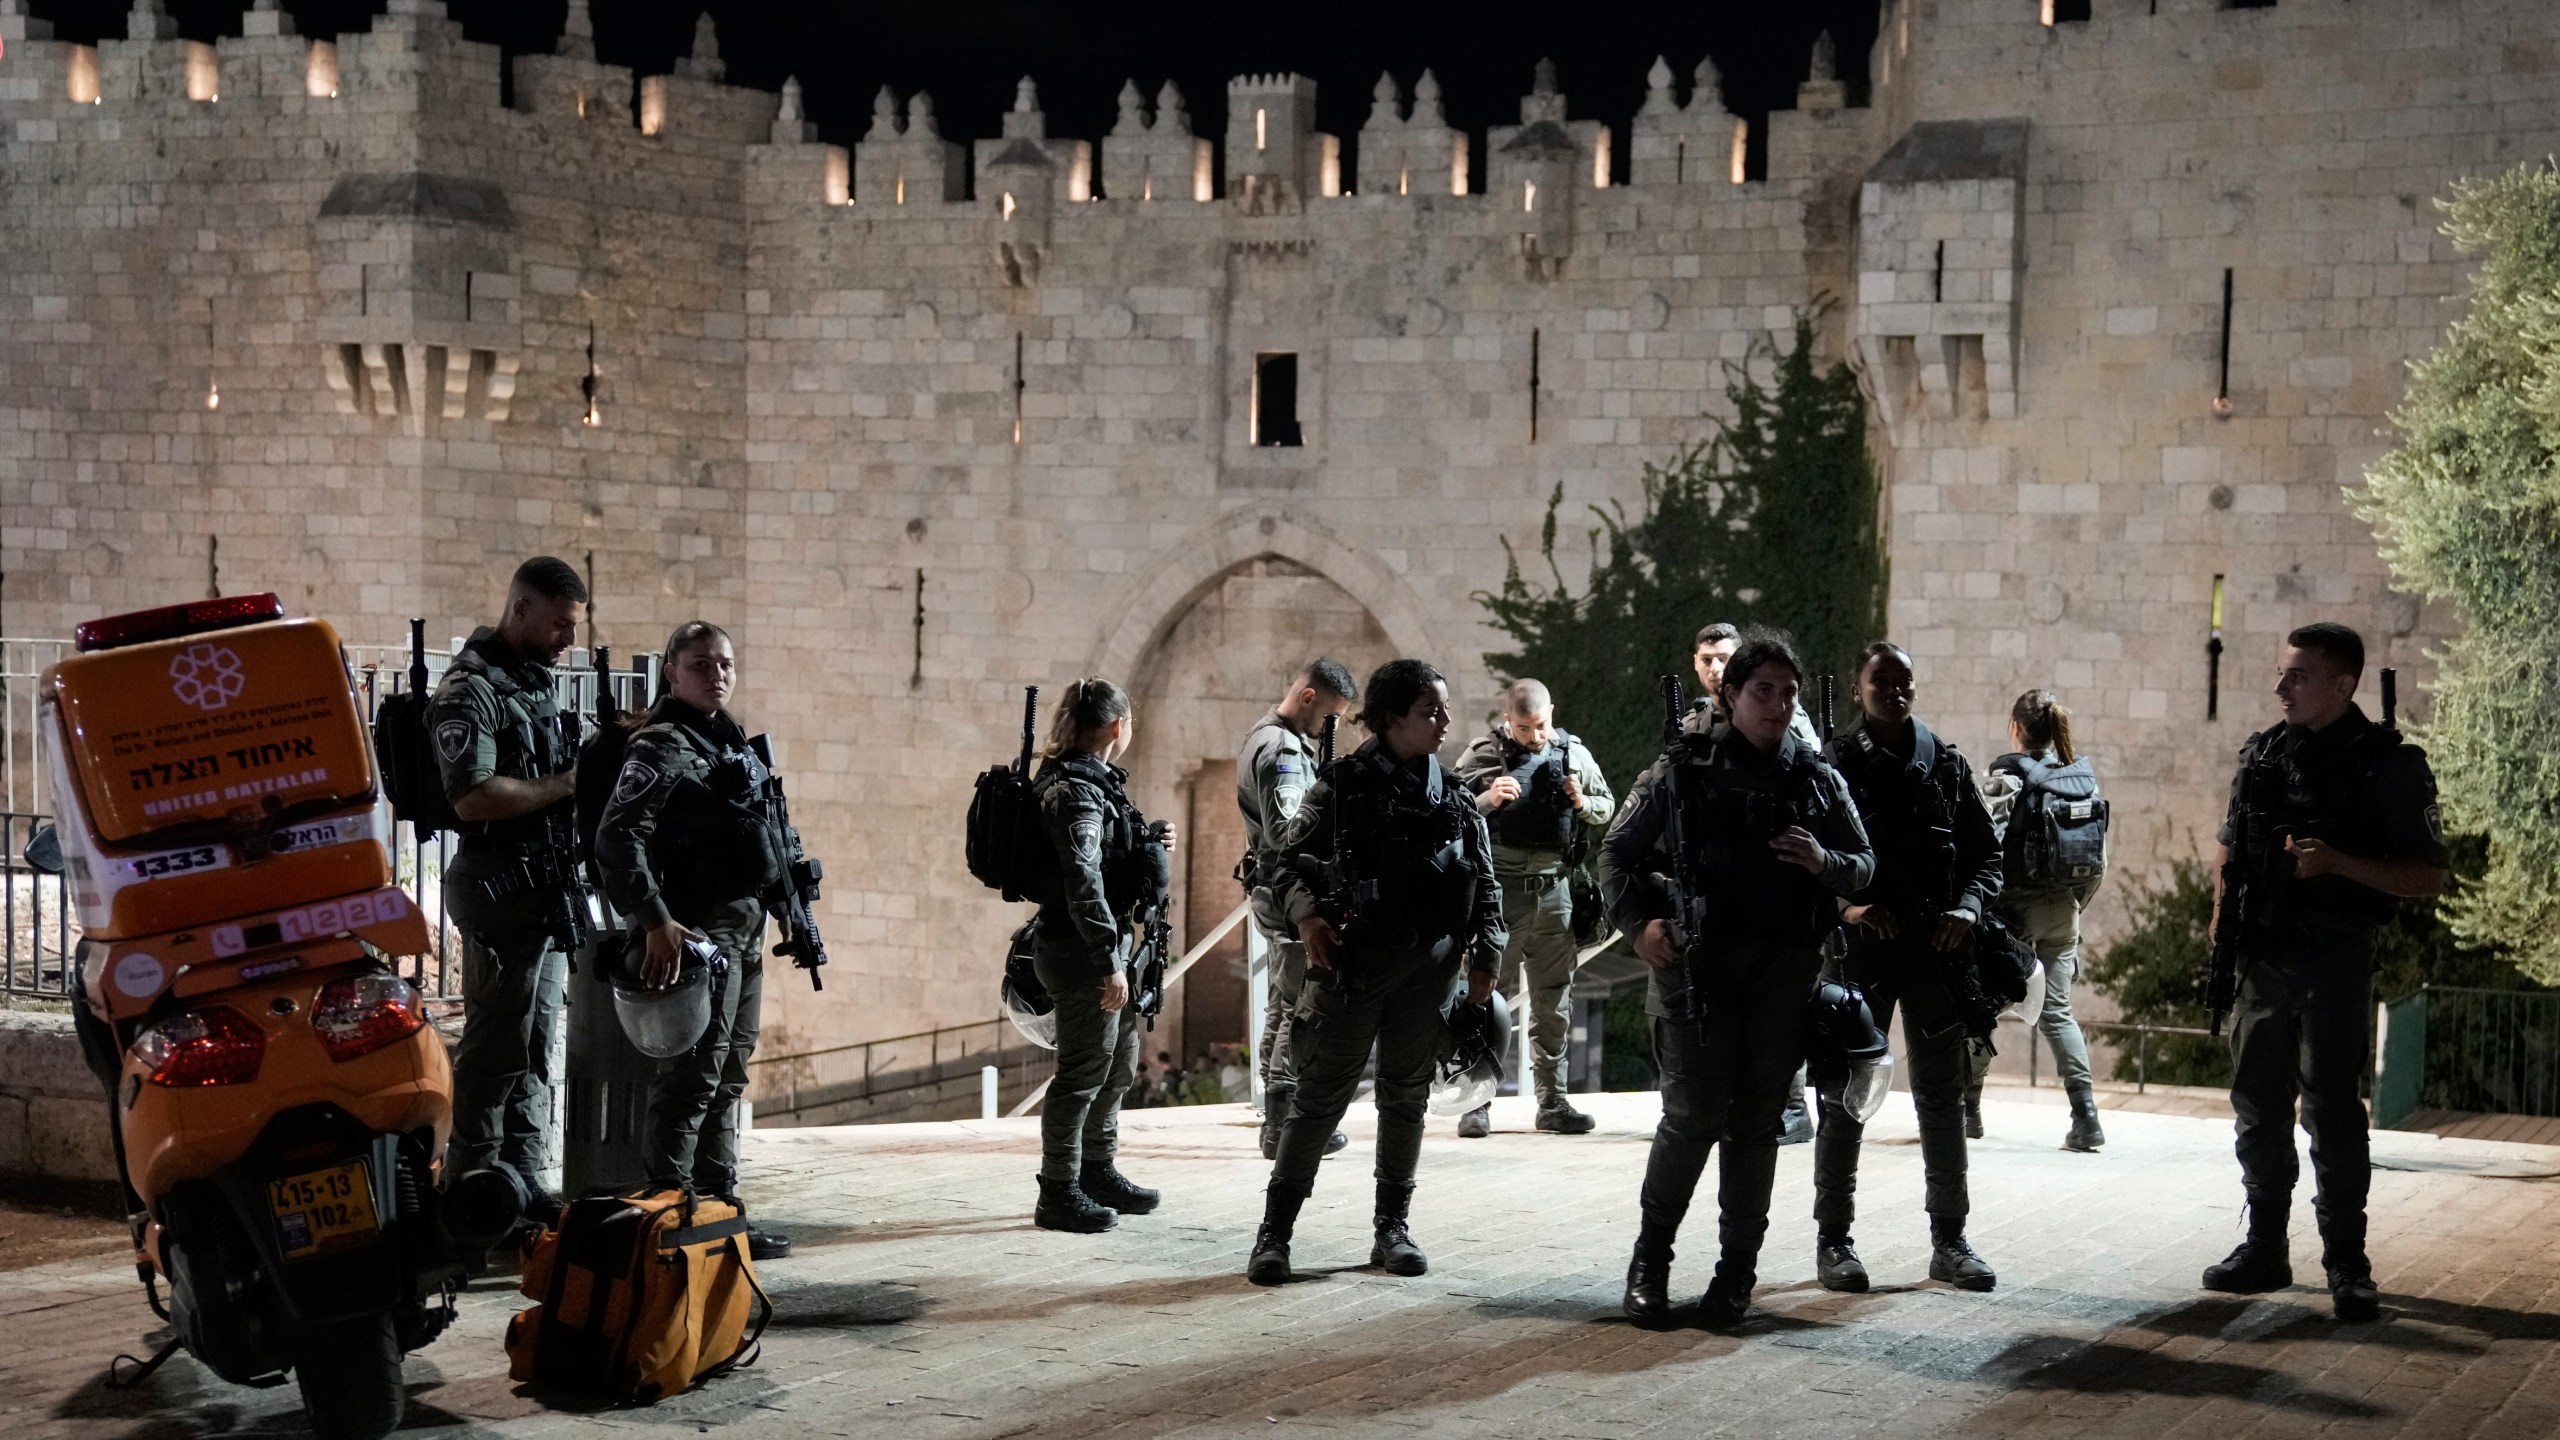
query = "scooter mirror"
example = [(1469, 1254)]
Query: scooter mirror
[(43, 851)]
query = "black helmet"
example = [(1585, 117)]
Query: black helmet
[(1025, 1000), (1470, 1069), (1846, 1057)]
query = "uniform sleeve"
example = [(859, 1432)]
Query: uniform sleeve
[(1307, 833), (1852, 863), (1281, 775), (650, 770), (1630, 882), (2229, 834), (1481, 765), (1598, 804), (1073, 813), (1484, 951), (2413, 824), (462, 724), (1977, 845)]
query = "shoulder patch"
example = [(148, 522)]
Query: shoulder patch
[(638, 777), (1086, 832), (453, 737), (2435, 823)]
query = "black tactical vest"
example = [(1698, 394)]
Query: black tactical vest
[(1732, 813), (1129, 873), (530, 744), (1410, 837), (2307, 790), (713, 846), (1541, 818), (1911, 821)]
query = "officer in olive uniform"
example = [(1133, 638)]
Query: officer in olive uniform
[(1389, 882), (1107, 861), (1937, 870), (1544, 799), (684, 853), (1273, 771), (509, 773), (2332, 820), (1774, 838)]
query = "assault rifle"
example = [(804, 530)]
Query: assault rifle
[(1822, 722), (556, 871), (1339, 891), (790, 902), (1688, 908), (1155, 923)]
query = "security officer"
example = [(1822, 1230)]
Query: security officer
[(1273, 771), (1543, 799), (1714, 646), (1389, 882), (682, 852), (1937, 870), (2332, 819), (1105, 858), (509, 773), (1773, 838)]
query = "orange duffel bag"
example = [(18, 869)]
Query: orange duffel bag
[(640, 1297)]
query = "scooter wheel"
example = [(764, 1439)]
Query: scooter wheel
[(349, 1373)]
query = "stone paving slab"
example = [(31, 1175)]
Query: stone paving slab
[(922, 1303)]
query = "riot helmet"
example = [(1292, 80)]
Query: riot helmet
[(1024, 999), (662, 1022), (1469, 1072), (1847, 1058)]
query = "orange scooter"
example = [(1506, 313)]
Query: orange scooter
[(277, 1099)]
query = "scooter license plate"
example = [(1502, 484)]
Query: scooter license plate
[(321, 1210)]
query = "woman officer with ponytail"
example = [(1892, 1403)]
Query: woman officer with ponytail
[(681, 852), (1082, 946), (2041, 790)]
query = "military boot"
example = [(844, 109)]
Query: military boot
[(1556, 1116), (1477, 1123), (2261, 1262), (1065, 1206), (1270, 1262), (1728, 1298), (1837, 1266), (1395, 1251), (2353, 1297), (1952, 1260), (1648, 1298), (2085, 1135), (1105, 1185)]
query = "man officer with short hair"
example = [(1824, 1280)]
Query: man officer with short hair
[(2332, 821), (1544, 799), (505, 765), (1273, 771)]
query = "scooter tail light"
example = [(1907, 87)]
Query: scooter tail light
[(212, 1046), (364, 1013)]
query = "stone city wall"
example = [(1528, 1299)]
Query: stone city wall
[(925, 422)]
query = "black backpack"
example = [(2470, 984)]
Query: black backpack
[(2057, 837), (405, 753), (1006, 849)]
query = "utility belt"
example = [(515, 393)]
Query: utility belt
[(1537, 884)]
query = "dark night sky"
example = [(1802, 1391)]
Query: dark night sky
[(969, 54)]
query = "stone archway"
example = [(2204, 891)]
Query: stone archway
[(1199, 679)]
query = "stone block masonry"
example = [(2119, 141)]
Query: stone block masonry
[(923, 423)]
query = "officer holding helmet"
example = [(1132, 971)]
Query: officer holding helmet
[(1771, 839), (682, 851)]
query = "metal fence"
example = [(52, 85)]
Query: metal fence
[(872, 1073), (2452, 1047)]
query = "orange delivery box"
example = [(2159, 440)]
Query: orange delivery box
[(209, 761)]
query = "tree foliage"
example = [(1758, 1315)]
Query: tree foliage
[(2468, 510), (1771, 519)]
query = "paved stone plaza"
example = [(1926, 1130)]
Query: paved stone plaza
[(923, 1303)]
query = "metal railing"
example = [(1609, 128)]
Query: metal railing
[(2143, 1031), (870, 1071), (2462, 1048)]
